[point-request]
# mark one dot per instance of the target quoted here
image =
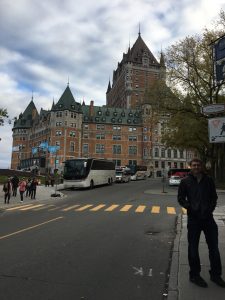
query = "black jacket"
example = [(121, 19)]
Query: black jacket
[(199, 199)]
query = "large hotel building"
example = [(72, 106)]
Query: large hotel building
[(124, 130)]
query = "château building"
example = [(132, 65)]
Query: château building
[(124, 130)]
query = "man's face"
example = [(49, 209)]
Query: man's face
[(196, 167)]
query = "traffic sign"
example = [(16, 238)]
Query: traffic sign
[(213, 108)]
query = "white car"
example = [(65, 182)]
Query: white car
[(174, 180)]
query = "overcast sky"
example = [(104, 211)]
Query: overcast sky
[(43, 43)]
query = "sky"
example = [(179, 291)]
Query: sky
[(47, 44)]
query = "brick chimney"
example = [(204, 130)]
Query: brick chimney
[(91, 108)]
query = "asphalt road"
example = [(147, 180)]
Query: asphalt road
[(109, 243)]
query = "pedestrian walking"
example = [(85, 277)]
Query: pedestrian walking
[(7, 189), (33, 188), (28, 185), (15, 183), (197, 193), (22, 188)]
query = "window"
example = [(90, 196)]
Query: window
[(72, 146), (132, 150), (156, 152), (116, 149), (58, 114), (86, 126), (132, 138), (116, 137), (169, 153), (85, 148), (99, 113), (181, 154), (175, 153), (163, 152), (163, 164), (86, 136), (145, 152), (145, 129), (58, 124), (132, 129), (57, 143), (181, 165), (169, 164), (117, 162), (73, 125), (100, 127), (145, 138), (100, 136), (100, 148), (156, 164), (73, 115), (72, 133), (116, 127), (58, 132)]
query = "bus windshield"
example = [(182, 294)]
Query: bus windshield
[(76, 169)]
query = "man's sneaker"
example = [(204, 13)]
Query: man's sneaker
[(218, 280), (199, 281)]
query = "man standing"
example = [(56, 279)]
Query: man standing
[(15, 183), (197, 193)]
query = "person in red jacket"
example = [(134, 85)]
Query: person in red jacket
[(22, 188)]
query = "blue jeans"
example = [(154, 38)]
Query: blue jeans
[(210, 229)]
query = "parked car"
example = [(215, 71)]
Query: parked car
[(174, 180)]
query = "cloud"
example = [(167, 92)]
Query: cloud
[(45, 42)]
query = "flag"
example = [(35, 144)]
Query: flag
[(219, 59), (53, 149), (34, 150), (43, 145)]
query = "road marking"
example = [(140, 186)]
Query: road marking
[(150, 273), (171, 210), (18, 207), (29, 228), (155, 209), (97, 207), (138, 271), (56, 207), (70, 207), (84, 207), (31, 207), (112, 207), (126, 208), (140, 208), (43, 207)]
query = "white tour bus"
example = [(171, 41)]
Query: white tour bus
[(138, 172), (88, 172)]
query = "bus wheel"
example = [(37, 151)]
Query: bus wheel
[(91, 184)]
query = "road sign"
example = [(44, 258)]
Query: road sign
[(216, 130), (213, 108)]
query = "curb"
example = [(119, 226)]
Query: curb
[(173, 292)]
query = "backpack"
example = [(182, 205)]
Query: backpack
[(5, 187)]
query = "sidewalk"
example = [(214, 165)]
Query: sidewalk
[(43, 193), (179, 286)]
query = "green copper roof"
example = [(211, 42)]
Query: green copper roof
[(27, 117), (67, 102), (103, 114)]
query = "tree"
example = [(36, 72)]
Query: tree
[(190, 79), (3, 113)]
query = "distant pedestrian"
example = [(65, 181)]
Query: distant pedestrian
[(22, 188), (28, 185), (222, 129), (7, 189), (33, 188), (197, 193), (15, 183)]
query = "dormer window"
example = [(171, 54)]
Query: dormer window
[(107, 113), (60, 105), (123, 114), (99, 113), (130, 114), (115, 113)]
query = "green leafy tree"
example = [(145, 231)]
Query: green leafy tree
[(3, 113)]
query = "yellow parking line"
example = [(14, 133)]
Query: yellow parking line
[(171, 210), (84, 207), (31, 207), (70, 207), (140, 208), (155, 209), (126, 208), (97, 207), (112, 207), (18, 207)]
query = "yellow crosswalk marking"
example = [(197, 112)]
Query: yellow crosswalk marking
[(83, 207), (97, 207), (18, 207), (184, 211), (140, 208), (112, 207), (43, 207), (171, 210), (70, 207), (31, 207), (155, 209), (126, 208)]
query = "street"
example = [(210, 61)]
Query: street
[(112, 242)]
